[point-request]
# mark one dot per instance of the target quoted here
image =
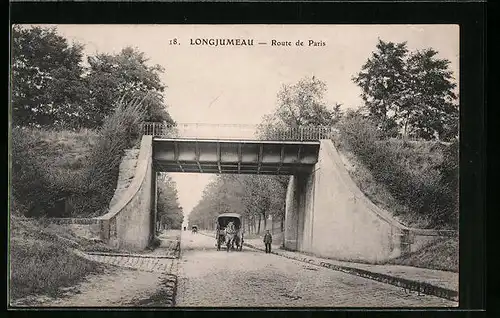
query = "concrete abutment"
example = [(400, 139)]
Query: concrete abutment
[(130, 222), (327, 215)]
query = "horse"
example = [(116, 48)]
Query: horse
[(230, 235)]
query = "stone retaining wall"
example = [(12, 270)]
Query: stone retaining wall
[(89, 228)]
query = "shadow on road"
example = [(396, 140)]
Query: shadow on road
[(214, 249)]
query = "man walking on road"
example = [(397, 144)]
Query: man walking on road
[(268, 239)]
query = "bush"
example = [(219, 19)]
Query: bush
[(420, 183), (119, 132), (441, 255)]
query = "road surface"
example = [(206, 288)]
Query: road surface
[(250, 278)]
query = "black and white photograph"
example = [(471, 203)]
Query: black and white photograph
[(234, 165)]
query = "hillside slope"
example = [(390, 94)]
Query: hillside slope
[(63, 149), (417, 156), (441, 254)]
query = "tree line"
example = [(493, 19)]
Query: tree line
[(53, 87), (255, 197)]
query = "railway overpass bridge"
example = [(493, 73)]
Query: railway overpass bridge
[(326, 213)]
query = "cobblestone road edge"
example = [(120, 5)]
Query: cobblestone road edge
[(420, 287)]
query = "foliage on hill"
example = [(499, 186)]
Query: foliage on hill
[(45, 175), (419, 180), (45, 166), (111, 76), (47, 85)]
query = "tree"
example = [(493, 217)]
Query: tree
[(337, 113), (263, 196), (302, 104), (409, 93), (207, 209), (431, 109), (51, 87), (169, 211), (47, 85), (111, 76)]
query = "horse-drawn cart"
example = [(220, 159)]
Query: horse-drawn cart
[(229, 231)]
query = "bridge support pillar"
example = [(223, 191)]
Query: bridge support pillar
[(154, 200), (291, 216), (298, 212)]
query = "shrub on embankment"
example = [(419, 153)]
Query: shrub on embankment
[(417, 181), (50, 169), (120, 131), (441, 254)]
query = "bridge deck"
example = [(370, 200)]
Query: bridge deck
[(234, 156)]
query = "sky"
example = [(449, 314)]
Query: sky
[(238, 84)]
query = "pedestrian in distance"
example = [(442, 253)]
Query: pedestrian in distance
[(268, 239)]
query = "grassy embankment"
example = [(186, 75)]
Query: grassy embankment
[(441, 254), (42, 259), (41, 254)]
